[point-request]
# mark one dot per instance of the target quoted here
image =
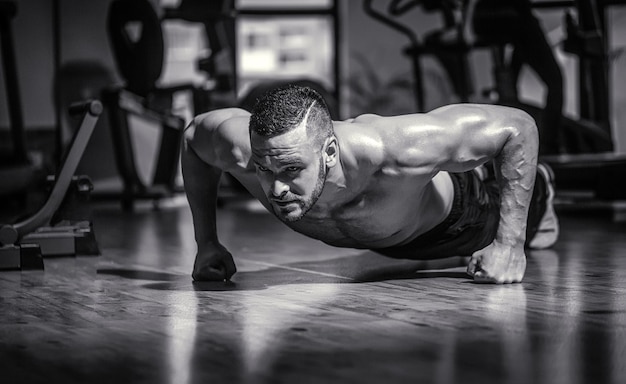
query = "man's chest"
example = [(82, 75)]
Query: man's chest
[(369, 220)]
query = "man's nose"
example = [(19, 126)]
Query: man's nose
[(279, 189)]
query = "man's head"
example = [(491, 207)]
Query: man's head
[(293, 145)]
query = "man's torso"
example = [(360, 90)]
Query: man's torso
[(388, 213), (377, 207)]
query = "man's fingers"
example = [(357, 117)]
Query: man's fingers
[(230, 270), (472, 267), (209, 274), (482, 277), (223, 269), (214, 265), (229, 267)]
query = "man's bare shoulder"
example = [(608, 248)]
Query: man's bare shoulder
[(421, 143), (360, 141), (450, 121), (382, 140), (390, 127), (229, 118), (220, 137)]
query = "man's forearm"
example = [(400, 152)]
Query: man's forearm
[(201, 186), (516, 168)]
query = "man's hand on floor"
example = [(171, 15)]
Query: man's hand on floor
[(498, 263), (213, 263)]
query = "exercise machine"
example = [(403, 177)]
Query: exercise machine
[(122, 106), (136, 37), (136, 34), (593, 179), (58, 228)]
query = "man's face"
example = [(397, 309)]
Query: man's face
[(291, 171)]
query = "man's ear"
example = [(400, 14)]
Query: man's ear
[(331, 152)]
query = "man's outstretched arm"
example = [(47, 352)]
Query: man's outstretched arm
[(200, 150)]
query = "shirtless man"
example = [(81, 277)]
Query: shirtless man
[(408, 186)]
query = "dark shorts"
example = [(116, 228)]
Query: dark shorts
[(472, 223)]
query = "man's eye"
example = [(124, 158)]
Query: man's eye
[(293, 169), (262, 168)]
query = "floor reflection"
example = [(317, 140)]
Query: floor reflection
[(267, 316), (180, 327), (506, 309)]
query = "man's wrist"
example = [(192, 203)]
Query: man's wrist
[(511, 240), (208, 243)]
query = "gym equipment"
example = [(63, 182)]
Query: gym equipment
[(50, 232), (587, 39), (121, 105), (136, 37), (590, 179), (84, 80), (452, 56), (218, 19), (137, 42)]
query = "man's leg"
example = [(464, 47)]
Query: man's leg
[(542, 230)]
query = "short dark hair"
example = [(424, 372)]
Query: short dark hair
[(282, 109)]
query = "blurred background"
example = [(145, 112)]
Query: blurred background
[(157, 63)]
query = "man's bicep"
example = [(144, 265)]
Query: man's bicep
[(473, 147), (470, 136), (428, 144)]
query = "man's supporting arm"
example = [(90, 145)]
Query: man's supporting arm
[(504, 261), (476, 134), (213, 261)]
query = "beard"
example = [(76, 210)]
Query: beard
[(304, 205)]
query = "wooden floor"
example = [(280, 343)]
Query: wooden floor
[(299, 311)]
